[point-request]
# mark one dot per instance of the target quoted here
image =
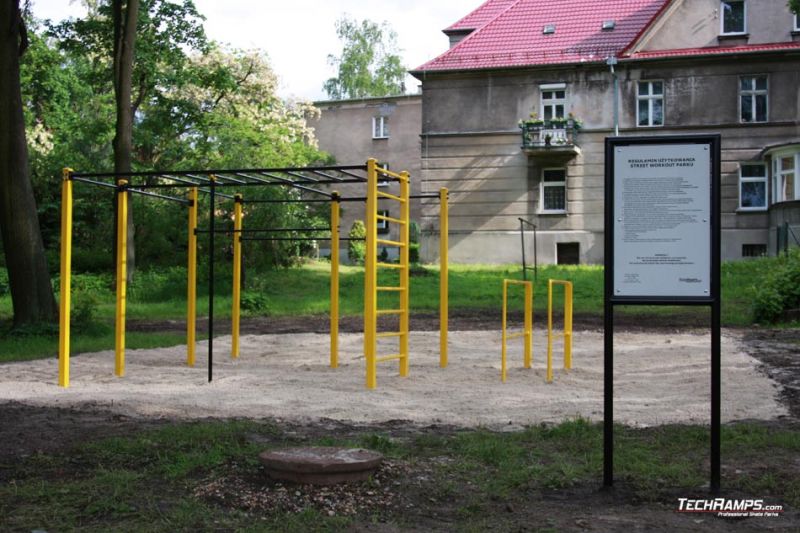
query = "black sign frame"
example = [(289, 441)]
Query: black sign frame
[(712, 300)]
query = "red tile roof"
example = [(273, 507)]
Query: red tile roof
[(482, 15), (715, 50), (514, 38)]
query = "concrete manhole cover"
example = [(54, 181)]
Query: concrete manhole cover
[(320, 465)]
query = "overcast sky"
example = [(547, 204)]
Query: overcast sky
[(298, 35)]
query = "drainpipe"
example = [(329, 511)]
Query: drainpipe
[(611, 62)]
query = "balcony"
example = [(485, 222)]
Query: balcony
[(540, 138)]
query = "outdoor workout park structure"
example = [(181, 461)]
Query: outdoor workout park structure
[(305, 180)]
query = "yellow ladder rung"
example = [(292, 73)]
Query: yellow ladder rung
[(390, 265), (515, 335), (391, 288), (389, 334), (390, 219), (390, 312), (391, 243), (391, 197), (389, 357), (557, 335)]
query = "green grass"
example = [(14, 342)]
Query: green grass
[(144, 481), (306, 290)]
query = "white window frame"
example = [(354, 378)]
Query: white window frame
[(796, 21), (752, 91), (650, 97), (380, 127), (754, 179), (382, 226), (722, 5), (542, 186), (778, 173), (382, 180), (552, 102)]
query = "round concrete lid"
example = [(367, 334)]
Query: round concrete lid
[(320, 465)]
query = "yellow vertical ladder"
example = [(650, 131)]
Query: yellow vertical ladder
[(371, 266)]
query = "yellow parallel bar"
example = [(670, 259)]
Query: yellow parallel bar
[(237, 276), (389, 334), (335, 213), (516, 335), (391, 289), (568, 328), (66, 279), (443, 275), (385, 172), (389, 312), (191, 289), (390, 243), (405, 239), (391, 196), (371, 275), (567, 334), (122, 273), (389, 358), (390, 219), (505, 334), (549, 377), (391, 265), (527, 332), (528, 325)]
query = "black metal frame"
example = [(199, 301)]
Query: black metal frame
[(525, 267), (712, 300)]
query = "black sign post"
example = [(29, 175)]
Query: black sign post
[(662, 247)]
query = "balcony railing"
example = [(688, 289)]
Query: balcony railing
[(549, 136)]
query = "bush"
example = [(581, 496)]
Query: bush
[(413, 232), (413, 252), (780, 291), (84, 309), (254, 302), (4, 287), (356, 250)]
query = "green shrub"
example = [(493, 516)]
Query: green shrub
[(254, 302), (413, 252), (356, 250), (413, 232), (384, 255), (4, 287), (84, 309), (780, 291)]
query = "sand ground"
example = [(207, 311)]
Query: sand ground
[(659, 379)]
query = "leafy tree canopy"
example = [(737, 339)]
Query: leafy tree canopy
[(369, 64)]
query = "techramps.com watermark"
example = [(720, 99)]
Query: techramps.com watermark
[(730, 508)]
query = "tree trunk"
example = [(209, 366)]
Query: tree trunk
[(126, 13), (29, 279)]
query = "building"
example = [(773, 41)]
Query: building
[(515, 113), (387, 129)]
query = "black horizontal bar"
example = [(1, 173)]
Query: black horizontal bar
[(280, 239), (160, 196), (92, 182), (209, 172), (350, 239)]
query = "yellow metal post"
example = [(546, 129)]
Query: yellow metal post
[(370, 275), (335, 211), (568, 327), (66, 278), (503, 352), (443, 275), (528, 324), (191, 282), (405, 239), (237, 275), (122, 267), (549, 377)]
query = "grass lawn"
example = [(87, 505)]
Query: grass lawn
[(305, 290), (205, 476)]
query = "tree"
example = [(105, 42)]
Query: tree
[(369, 65), (794, 5), (29, 279)]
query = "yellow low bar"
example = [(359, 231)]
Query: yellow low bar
[(237, 276), (391, 196), (66, 279), (383, 172), (528, 327), (391, 289), (122, 276), (191, 282), (567, 335), (389, 219), (371, 276), (391, 265), (390, 243)]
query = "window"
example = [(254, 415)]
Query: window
[(568, 253), (753, 98), (380, 127), (650, 103), (752, 187), (754, 250), (383, 181), (553, 191), (383, 225), (734, 15), (784, 177), (554, 100), (797, 22)]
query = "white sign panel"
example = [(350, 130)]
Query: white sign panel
[(662, 220)]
